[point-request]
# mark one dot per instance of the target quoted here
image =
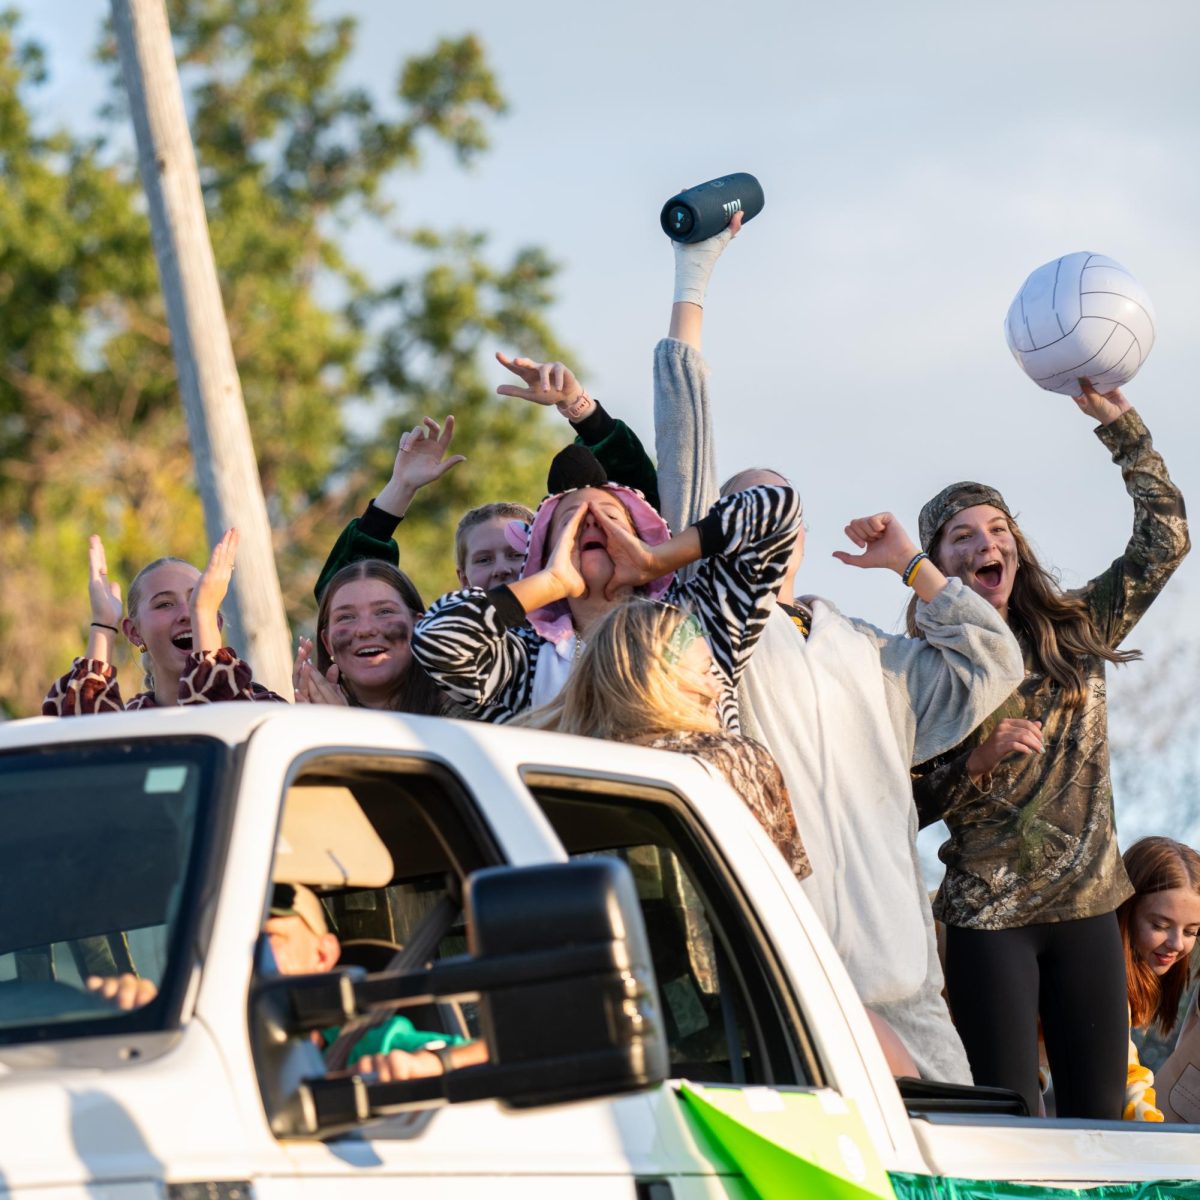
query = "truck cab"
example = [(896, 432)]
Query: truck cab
[(608, 921)]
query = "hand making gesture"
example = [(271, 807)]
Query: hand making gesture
[(884, 543), (546, 383), (634, 562), (422, 457), (104, 597)]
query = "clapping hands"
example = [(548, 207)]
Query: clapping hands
[(103, 594), (311, 687), (209, 591)]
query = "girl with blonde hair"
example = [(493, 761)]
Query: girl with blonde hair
[(646, 676), (174, 621)]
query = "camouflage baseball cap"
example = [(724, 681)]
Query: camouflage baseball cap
[(954, 499)]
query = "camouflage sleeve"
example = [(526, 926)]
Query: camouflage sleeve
[(943, 784), (1120, 595), (90, 686)]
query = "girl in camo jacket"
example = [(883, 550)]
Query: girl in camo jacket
[(174, 621), (1033, 874)]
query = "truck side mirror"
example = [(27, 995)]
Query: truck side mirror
[(582, 1019), (560, 965)]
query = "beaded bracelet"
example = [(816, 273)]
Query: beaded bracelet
[(101, 625), (910, 572)]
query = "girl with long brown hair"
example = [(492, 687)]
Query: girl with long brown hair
[(364, 644), (1159, 924), (1033, 874)]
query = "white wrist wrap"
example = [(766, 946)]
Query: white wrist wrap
[(694, 264)]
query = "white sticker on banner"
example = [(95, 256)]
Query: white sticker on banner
[(761, 1099)]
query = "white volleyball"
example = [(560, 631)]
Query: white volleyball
[(1082, 314)]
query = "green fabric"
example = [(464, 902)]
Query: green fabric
[(396, 1033), (620, 453), (624, 459), (790, 1145), (933, 1187), (352, 546)]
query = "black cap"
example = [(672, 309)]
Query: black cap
[(574, 467)]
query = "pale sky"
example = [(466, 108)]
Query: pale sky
[(918, 160)]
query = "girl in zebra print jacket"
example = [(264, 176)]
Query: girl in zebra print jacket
[(500, 652)]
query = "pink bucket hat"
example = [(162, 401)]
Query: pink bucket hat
[(553, 621)]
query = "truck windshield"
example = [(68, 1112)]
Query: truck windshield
[(98, 857)]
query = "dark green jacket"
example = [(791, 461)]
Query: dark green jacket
[(614, 444)]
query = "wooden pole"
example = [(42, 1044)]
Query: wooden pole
[(226, 469)]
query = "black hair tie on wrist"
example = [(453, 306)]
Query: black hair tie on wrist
[(101, 625)]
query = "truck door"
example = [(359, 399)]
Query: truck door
[(433, 833), (733, 1017)]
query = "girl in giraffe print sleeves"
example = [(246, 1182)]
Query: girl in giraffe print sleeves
[(174, 620)]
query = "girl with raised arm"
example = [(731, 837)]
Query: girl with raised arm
[(1033, 874), (846, 708), (174, 620)]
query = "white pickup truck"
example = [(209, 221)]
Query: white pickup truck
[(663, 1015)]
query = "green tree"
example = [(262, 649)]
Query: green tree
[(91, 431)]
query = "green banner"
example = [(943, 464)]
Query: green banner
[(791, 1145), (934, 1187)]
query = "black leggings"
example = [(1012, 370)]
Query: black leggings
[(1072, 973)]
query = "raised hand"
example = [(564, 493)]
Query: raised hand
[(883, 541), (1013, 735), (545, 383), (694, 262), (634, 562), (1104, 407), (103, 594), (209, 591), (422, 457)]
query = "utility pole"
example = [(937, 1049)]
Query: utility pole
[(226, 469)]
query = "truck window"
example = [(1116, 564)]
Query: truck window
[(390, 842), (102, 849), (729, 1015)]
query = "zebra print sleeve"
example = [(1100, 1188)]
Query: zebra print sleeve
[(474, 657), (734, 586)]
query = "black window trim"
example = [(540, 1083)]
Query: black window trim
[(788, 1012)]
